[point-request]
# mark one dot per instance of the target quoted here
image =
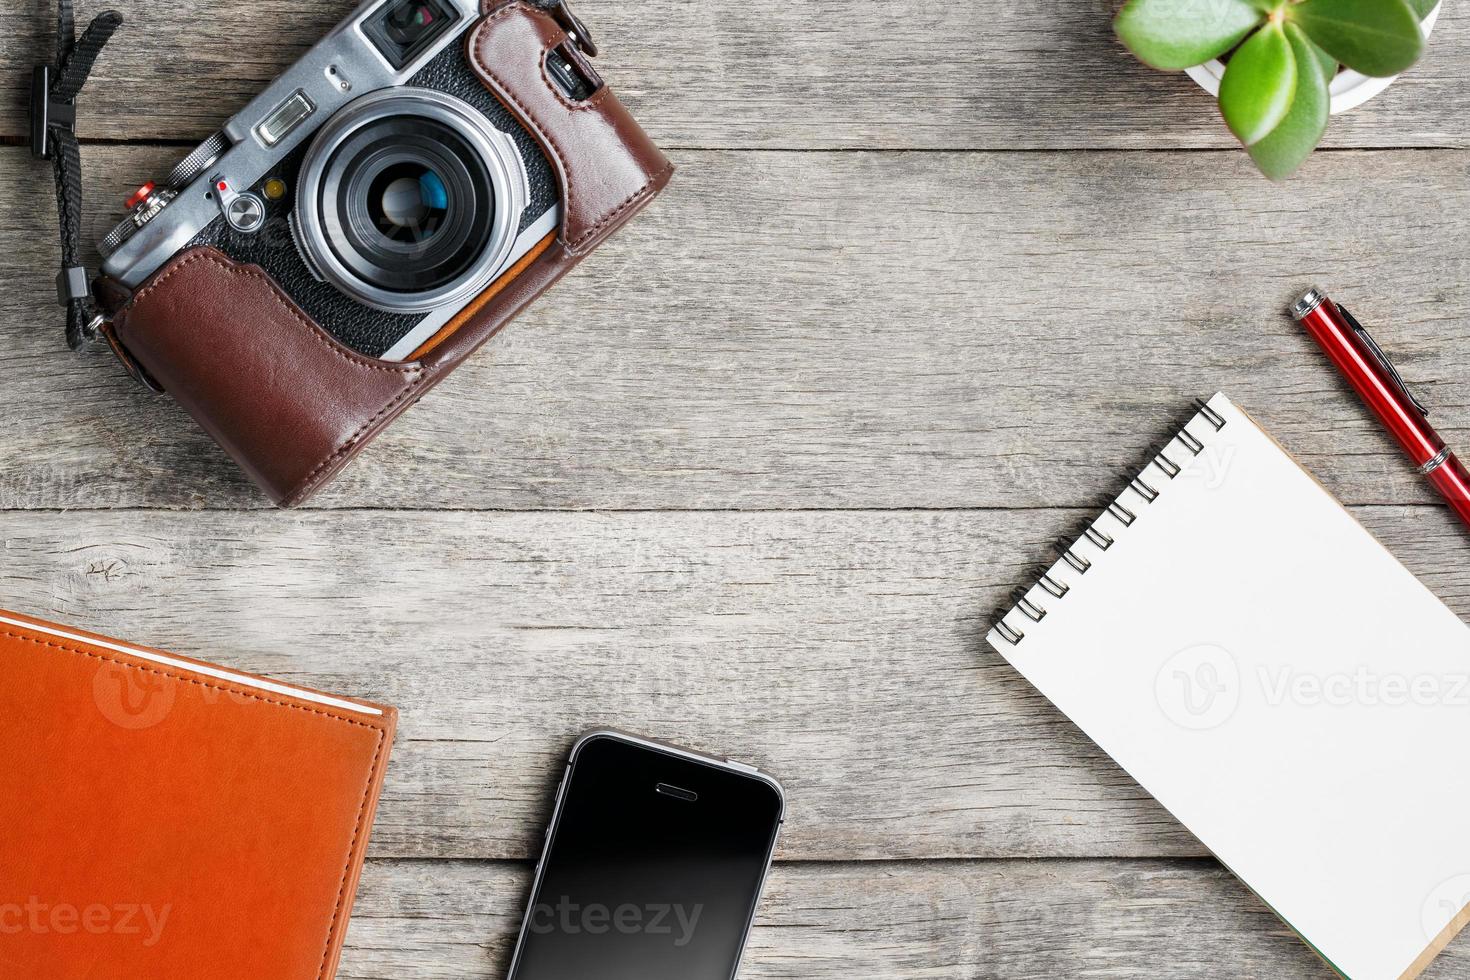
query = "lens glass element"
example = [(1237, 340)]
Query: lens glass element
[(409, 200), (408, 203)]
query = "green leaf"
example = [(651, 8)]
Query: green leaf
[(1423, 8), (1375, 37), (1175, 34), (1289, 144), (1329, 63), (1259, 82)]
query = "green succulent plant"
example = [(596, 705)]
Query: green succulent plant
[(1282, 56)]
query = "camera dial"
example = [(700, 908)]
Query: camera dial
[(146, 204), (192, 167), (149, 200)]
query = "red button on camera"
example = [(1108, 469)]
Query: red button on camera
[(140, 195)]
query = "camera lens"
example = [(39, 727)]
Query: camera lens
[(408, 203), (409, 200)]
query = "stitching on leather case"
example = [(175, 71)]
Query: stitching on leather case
[(243, 692), (593, 103), (366, 790), (314, 330), (308, 482), (636, 197), (478, 35), (515, 7), (351, 850)]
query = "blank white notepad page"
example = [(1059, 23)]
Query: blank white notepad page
[(1276, 679)]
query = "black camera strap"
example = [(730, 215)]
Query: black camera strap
[(54, 90)]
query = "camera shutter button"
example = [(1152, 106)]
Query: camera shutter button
[(140, 195), (145, 205)]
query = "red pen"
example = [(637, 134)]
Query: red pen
[(1349, 346)]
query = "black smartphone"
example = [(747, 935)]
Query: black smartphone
[(653, 866)]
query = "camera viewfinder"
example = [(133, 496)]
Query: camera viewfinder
[(404, 29)]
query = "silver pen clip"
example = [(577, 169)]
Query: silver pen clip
[(1382, 358)]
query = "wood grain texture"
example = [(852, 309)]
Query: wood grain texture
[(1006, 920), (842, 652), (755, 477), (767, 74), (850, 330)]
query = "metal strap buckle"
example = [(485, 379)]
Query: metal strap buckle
[(47, 112), (573, 25), (71, 285)]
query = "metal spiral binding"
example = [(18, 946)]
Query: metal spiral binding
[(1211, 416), (1143, 489), (1044, 579), (1078, 562), (1032, 611), (1167, 465), (1021, 597), (1011, 636)]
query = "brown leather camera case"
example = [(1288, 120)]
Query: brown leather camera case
[(289, 402)]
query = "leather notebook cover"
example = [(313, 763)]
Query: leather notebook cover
[(165, 818)]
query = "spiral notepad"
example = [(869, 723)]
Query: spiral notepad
[(1250, 654)]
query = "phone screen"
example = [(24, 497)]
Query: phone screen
[(653, 871)]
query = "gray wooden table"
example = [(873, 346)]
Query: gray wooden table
[(754, 478)]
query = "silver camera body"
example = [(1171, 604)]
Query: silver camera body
[(376, 181)]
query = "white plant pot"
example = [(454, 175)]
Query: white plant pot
[(1349, 89)]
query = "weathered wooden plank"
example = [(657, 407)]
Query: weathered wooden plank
[(841, 330), (769, 74), (1016, 920), (843, 652)]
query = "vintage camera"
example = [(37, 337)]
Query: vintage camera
[(373, 218), (378, 182)]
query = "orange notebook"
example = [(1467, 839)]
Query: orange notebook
[(164, 818)]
